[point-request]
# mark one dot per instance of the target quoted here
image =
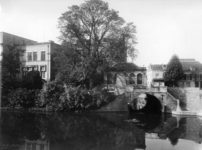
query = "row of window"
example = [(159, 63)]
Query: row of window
[(192, 77), (188, 84), (32, 56), (111, 79), (34, 67), (42, 70)]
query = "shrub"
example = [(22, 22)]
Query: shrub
[(33, 80), (22, 98), (61, 97)]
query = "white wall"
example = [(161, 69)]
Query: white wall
[(39, 48)]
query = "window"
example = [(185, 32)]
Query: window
[(196, 84), (34, 56), (35, 68), (43, 68), (200, 76), (29, 56), (197, 77), (188, 77), (132, 79), (43, 56), (184, 76), (192, 77), (139, 79), (42, 74), (30, 68), (126, 78)]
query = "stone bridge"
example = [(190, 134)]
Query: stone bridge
[(169, 103)]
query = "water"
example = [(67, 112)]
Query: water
[(98, 131)]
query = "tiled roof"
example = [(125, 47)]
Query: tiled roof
[(126, 67), (190, 64), (158, 67)]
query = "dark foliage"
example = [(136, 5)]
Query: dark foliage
[(60, 97), (22, 98), (10, 67), (33, 80), (173, 71)]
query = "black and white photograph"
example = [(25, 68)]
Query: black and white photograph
[(100, 75)]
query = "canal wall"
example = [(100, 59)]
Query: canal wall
[(190, 98)]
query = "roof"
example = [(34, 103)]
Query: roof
[(126, 67), (191, 65), (158, 67)]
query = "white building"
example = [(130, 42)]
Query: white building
[(155, 75), (38, 57)]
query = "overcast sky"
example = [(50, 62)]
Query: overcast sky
[(164, 27)]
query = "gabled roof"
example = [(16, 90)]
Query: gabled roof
[(126, 67), (191, 65), (158, 67)]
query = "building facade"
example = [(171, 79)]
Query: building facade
[(37, 56), (192, 73), (125, 76), (155, 75)]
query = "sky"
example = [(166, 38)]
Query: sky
[(164, 27)]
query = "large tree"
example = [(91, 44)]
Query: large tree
[(173, 71), (10, 65), (94, 37)]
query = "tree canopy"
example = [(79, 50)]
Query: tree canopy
[(173, 71), (93, 37), (10, 65)]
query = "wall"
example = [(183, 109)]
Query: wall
[(38, 48)]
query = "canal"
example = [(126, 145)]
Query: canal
[(98, 131)]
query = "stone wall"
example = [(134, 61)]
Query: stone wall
[(192, 97)]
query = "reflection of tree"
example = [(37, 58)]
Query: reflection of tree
[(86, 131), (177, 133), (173, 140)]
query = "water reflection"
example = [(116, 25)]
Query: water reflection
[(104, 131)]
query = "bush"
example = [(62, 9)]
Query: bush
[(61, 97), (33, 80), (22, 98)]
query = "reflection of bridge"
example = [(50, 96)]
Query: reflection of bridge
[(164, 127)]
